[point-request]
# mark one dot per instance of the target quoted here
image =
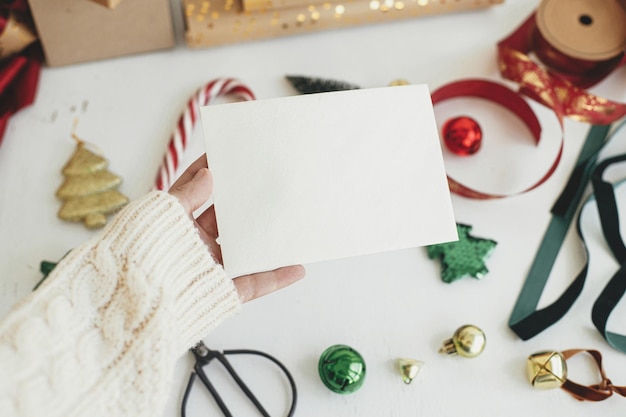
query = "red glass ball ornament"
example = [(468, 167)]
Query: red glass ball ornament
[(462, 135)]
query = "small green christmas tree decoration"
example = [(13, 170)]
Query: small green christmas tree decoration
[(463, 257), (311, 85), (45, 267), (89, 191)]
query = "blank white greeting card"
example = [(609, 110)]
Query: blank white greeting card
[(323, 176)]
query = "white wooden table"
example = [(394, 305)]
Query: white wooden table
[(386, 305)]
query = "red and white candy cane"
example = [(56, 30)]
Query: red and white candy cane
[(186, 123)]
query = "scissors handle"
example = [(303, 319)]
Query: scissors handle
[(204, 355)]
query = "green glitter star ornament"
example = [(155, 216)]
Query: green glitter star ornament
[(463, 257)]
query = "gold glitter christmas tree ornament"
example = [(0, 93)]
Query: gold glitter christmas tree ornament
[(89, 191)]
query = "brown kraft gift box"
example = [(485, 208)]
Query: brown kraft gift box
[(73, 31)]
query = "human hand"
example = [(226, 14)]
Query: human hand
[(193, 189)]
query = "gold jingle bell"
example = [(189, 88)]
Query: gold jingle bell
[(409, 368), (546, 370), (468, 341)]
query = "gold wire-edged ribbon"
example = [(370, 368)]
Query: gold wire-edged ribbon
[(548, 87), (16, 36)]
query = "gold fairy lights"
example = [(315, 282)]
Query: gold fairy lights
[(272, 16), (202, 10)]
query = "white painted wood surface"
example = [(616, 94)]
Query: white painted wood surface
[(386, 305)]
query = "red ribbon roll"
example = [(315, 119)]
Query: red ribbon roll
[(561, 87)]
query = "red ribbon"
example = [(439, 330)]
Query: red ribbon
[(19, 73), (558, 84), (508, 99)]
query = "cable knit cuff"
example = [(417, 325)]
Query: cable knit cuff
[(156, 234)]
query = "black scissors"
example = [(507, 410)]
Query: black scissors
[(204, 355)]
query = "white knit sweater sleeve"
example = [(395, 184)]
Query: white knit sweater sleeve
[(102, 334)]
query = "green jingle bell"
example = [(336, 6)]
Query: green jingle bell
[(342, 369)]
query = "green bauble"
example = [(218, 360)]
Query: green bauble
[(342, 369)]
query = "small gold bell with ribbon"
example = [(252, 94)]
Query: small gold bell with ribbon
[(409, 368), (546, 370), (468, 341)]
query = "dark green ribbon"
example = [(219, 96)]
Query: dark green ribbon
[(609, 219), (526, 320)]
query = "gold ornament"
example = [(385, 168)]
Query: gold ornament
[(398, 82), (409, 368), (468, 341), (546, 370), (89, 190)]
